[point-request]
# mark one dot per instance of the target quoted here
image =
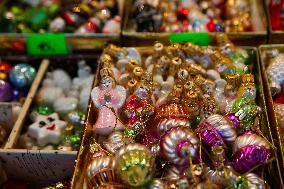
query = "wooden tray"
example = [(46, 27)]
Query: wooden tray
[(278, 139), (39, 166), (272, 173)]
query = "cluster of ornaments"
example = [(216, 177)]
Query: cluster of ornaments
[(275, 76), (59, 112), (192, 15), (15, 82), (98, 16), (183, 117)]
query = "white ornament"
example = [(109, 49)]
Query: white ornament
[(47, 129), (65, 105)]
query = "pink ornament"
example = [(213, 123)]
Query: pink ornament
[(108, 98)]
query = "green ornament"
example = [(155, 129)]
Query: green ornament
[(74, 140), (18, 13), (7, 25), (135, 165), (23, 28), (195, 122), (53, 10), (241, 183), (130, 133), (37, 18), (44, 109)]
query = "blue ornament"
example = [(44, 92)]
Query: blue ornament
[(196, 25), (22, 75), (219, 28), (17, 94)]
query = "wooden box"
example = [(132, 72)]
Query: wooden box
[(40, 166), (278, 138), (272, 172)]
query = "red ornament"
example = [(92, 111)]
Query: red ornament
[(182, 13), (91, 27), (5, 67), (280, 99), (210, 25), (275, 10)]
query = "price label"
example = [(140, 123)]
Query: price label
[(198, 38), (46, 44)]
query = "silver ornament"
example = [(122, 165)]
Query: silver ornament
[(224, 127), (179, 144), (249, 140), (101, 170), (275, 71)]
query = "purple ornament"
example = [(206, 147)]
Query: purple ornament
[(210, 135), (217, 131), (5, 91), (219, 28), (248, 157), (234, 119), (249, 150), (17, 94)]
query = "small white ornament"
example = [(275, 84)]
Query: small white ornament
[(47, 129)]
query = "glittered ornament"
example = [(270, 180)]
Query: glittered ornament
[(5, 91), (249, 150), (134, 165), (216, 130), (22, 75), (275, 71), (108, 97), (179, 144)]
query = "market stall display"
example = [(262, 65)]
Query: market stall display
[(243, 20), (61, 16), (178, 115)]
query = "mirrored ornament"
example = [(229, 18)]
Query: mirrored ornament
[(135, 165), (22, 75)]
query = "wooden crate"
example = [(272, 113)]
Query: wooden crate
[(278, 139), (38, 166), (272, 173)]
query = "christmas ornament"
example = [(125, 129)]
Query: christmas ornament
[(6, 91), (22, 75), (275, 71), (249, 150), (108, 97), (101, 170), (135, 165), (179, 144), (47, 129)]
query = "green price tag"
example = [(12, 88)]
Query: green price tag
[(198, 38), (46, 44)]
